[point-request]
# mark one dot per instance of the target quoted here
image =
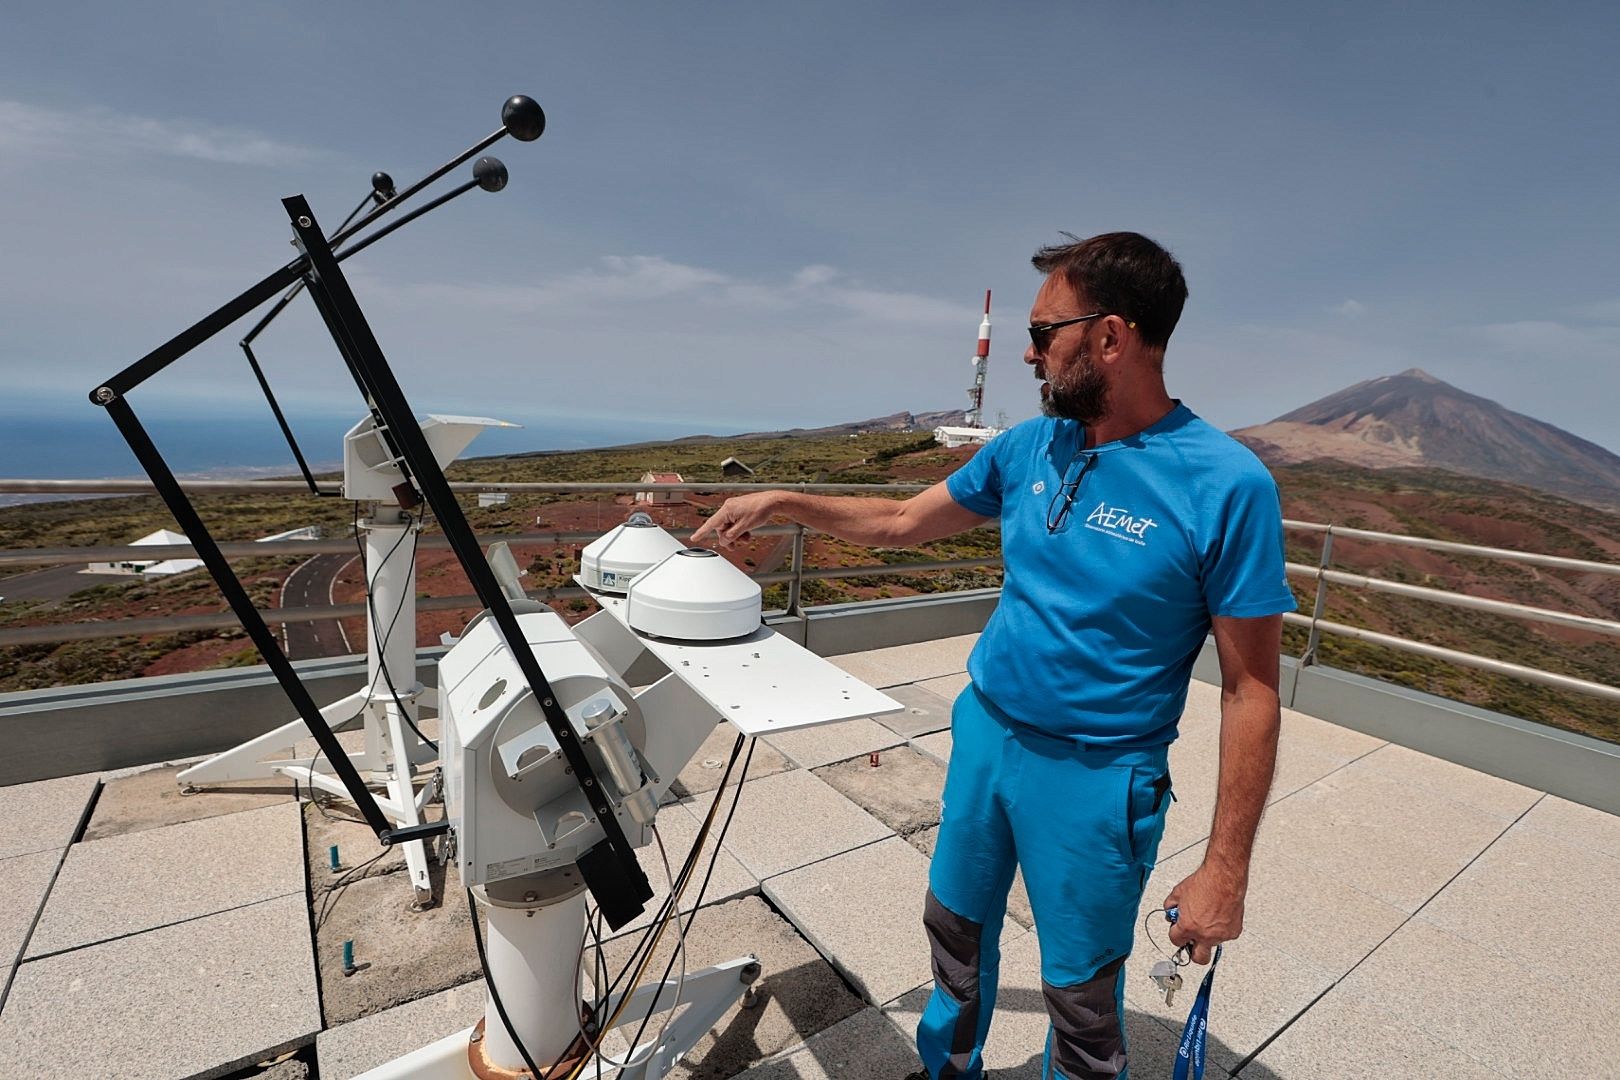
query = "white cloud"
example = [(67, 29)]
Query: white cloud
[(1351, 308), (1607, 311), (96, 132), (619, 281)]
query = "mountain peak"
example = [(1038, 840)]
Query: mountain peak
[(1414, 420)]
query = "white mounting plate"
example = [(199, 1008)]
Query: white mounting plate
[(763, 683)]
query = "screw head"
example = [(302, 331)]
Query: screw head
[(105, 395), (304, 222)]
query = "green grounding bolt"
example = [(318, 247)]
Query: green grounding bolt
[(348, 957), (332, 855)]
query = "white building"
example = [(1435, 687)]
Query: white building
[(655, 497), (149, 567), (964, 436), (492, 498)]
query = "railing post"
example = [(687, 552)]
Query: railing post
[(797, 566), (1308, 657)]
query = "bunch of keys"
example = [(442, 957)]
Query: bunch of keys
[(1165, 973)]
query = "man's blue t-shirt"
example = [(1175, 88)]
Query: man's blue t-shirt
[(1100, 621)]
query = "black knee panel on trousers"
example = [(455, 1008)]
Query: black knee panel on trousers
[(953, 945), (1088, 1041)]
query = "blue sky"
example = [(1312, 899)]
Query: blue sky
[(764, 215)]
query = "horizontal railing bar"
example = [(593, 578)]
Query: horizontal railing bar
[(272, 487), (1462, 659), (256, 548), (1556, 562), (1458, 600), (252, 549), (171, 624)]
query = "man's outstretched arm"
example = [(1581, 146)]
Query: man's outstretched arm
[(859, 519), (1211, 899)]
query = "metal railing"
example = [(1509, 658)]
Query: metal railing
[(1324, 576), (798, 573)]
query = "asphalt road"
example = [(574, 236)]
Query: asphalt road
[(310, 585), (53, 582)]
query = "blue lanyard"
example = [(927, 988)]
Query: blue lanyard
[(1190, 1055)]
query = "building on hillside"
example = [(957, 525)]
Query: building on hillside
[(171, 567), (149, 567), (964, 436), (654, 496), (487, 499), (733, 469)]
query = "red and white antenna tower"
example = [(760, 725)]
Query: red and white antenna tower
[(981, 360)]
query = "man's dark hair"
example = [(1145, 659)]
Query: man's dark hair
[(1125, 274)]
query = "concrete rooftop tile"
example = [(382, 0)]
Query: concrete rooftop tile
[(812, 747), (149, 799), (902, 790), (909, 663), (1285, 909), (946, 686), (350, 1049), (863, 1046), (924, 712), (1576, 825), (1396, 842), (793, 818), (936, 746), (1481, 791), (23, 882), (1308, 750), (1257, 990), (1510, 1017), (199, 998), (1346, 1035), (863, 910), (708, 765), (1537, 899), (798, 994), (43, 815), (139, 881), (678, 824)]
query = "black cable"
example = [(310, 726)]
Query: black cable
[(664, 913), (415, 534), (335, 891), (494, 995), (697, 903)]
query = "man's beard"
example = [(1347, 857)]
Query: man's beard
[(1082, 396)]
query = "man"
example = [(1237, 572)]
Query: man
[(1130, 529)]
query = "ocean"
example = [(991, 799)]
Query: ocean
[(88, 447)]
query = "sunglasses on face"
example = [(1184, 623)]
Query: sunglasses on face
[(1040, 334)]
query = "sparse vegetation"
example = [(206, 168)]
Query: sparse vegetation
[(1421, 502)]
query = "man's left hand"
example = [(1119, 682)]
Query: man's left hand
[(1211, 904)]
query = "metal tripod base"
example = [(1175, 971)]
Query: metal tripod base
[(707, 995)]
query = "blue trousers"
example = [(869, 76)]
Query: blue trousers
[(1084, 825)]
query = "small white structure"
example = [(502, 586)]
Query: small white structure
[(964, 436), (492, 498), (308, 532), (149, 567), (653, 496)]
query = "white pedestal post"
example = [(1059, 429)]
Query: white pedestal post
[(392, 751)]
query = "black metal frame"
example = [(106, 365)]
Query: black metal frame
[(610, 868)]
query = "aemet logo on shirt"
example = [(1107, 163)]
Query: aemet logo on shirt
[(1121, 523)]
